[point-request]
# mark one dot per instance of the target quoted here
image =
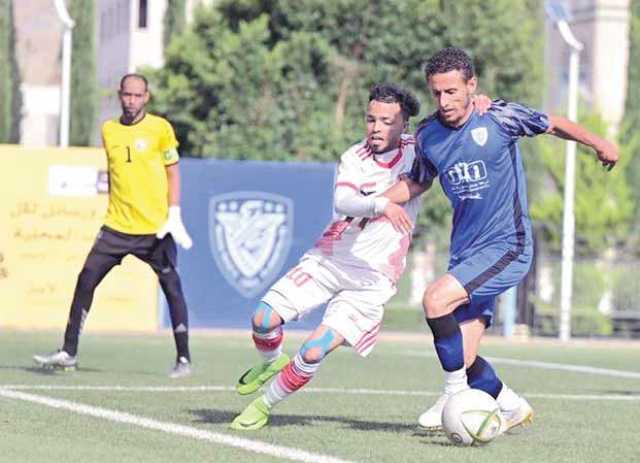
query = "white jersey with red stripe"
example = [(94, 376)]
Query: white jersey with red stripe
[(369, 243)]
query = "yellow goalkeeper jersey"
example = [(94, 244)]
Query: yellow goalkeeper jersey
[(138, 190)]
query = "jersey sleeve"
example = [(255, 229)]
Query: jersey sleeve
[(518, 120), (348, 175), (348, 200), (422, 171), (169, 145)]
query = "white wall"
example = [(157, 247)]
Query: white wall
[(147, 48), (41, 110), (38, 44)]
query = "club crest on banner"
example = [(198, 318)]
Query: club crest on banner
[(250, 236), (480, 135)]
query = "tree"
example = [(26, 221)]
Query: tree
[(288, 79), (10, 95), (175, 19), (603, 200), (84, 95)]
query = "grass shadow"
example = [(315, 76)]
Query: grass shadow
[(213, 416)]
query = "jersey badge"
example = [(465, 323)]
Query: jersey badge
[(140, 144), (480, 135)]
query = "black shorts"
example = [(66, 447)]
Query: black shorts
[(112, 246)]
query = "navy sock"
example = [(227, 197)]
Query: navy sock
[(447, 338), (481, 375)]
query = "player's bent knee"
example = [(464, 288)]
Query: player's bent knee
[(316, 349), (435, 303), (265, 318)]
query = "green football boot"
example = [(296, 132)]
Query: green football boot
[(254, 417), (255, 377)]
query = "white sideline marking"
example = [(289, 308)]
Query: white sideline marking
[(172, 428), (326, 390), (547, 366), (116, 388)]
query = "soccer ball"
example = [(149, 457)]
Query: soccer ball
[(472, 417)]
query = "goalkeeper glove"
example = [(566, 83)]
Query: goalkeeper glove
[(175, 226)]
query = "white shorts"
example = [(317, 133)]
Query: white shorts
[(355, 299)]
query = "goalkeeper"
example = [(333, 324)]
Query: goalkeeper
[(143, 219)]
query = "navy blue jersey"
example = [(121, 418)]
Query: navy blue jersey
[(480, 170)]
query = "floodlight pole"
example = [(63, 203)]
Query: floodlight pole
[(568, 219), (65, 85)]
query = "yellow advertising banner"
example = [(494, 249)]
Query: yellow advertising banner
[(52, 204)]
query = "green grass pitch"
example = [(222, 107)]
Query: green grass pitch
[(586, 397)]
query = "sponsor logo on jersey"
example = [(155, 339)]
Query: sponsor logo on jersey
[(250, 237), (480, 135), (467, 172), (467, 179)]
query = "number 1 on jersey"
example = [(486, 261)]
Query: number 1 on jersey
[(128, 154)]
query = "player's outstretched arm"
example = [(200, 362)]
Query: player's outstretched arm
[(174, 223), (404, 190), (606, 151)]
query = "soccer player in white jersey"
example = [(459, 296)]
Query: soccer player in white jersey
[(353, 268)]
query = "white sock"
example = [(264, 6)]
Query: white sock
[(271, 356), (274, 394), (507, 399), (291, 378), (455, 381), (269, 344)]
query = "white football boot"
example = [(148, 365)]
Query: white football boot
[(58, 359), (432, 418), (182, 369), (522, 415)]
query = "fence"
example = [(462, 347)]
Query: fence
[(604, 299)]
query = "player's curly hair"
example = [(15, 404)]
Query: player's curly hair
[(450, 59), (392, 93)]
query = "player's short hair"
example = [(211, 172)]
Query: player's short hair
[(134, 75), (391, 93), (450, 59)]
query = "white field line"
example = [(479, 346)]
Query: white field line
[(345, 391), (547, 366), (172, 428)]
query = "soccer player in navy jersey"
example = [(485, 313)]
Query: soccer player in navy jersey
[(478, 163)]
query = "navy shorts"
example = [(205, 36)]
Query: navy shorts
[(487, 274)]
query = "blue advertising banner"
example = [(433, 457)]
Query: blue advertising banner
[(250, 222)]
